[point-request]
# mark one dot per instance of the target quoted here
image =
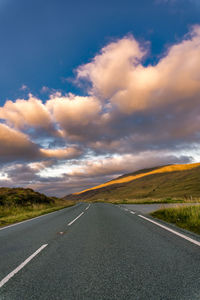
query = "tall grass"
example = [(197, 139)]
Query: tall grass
[(14, 214), (187, 217), (143, 200)]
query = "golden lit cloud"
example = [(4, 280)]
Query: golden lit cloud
[(66, 153), (117, 73), (73, 110), (23, 113)]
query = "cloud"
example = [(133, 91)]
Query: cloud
[(74, 114), (23, 87), (15, 145), (67, 153), (120, 164), (117, 74), (134, 115), (90, 172), (23, 113), (109, 71)]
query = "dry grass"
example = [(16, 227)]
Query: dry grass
[(185, 217), (14, 214), (165, 169)]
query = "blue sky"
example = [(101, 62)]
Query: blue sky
[(90, 90), (42, 42)]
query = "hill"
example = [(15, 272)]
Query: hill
[(22, 197), (172, 181), (19, 204)]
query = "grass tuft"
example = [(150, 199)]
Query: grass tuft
[(15, 214), (185, 217)]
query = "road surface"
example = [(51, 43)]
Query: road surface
[(148, 208), (97, 252)]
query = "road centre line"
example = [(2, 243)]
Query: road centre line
[(22, 265), (75, 219), (87, 207), (132, 212), (171, 230)]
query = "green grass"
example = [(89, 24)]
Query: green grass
[(185, 217), (14, 214)]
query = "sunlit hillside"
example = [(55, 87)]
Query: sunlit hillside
[(128, 178), (181, 180)]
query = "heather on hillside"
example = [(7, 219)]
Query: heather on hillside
[(23, 197), (18, 204)]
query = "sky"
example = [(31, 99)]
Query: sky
[(90, 90)]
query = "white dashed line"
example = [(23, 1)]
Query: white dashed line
[(132, 212), (171, 230), (15, 271), (75, 219), (87, 207)]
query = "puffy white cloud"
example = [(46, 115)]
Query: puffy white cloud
[(74, 114), (23, 113), (110, 70), (73, 110), (117, 74)]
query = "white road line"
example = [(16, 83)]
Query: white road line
[(171, 230), (87, 207), (15, 271), (75, 219), (132, 212)]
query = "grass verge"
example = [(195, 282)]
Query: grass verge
[(15, 214), (143, 201), (185, 217)]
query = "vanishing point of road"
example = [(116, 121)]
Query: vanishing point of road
[(96, 252)]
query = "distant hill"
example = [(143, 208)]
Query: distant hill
[(175, 181), (22, 197)]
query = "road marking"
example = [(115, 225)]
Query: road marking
[(75, 219), (171, 230), (15, 271), (132, 212), (87, 207)]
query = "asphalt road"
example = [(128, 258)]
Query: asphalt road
[(98, 252), (148, 208)]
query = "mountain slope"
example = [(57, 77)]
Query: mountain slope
[(181, 181)]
